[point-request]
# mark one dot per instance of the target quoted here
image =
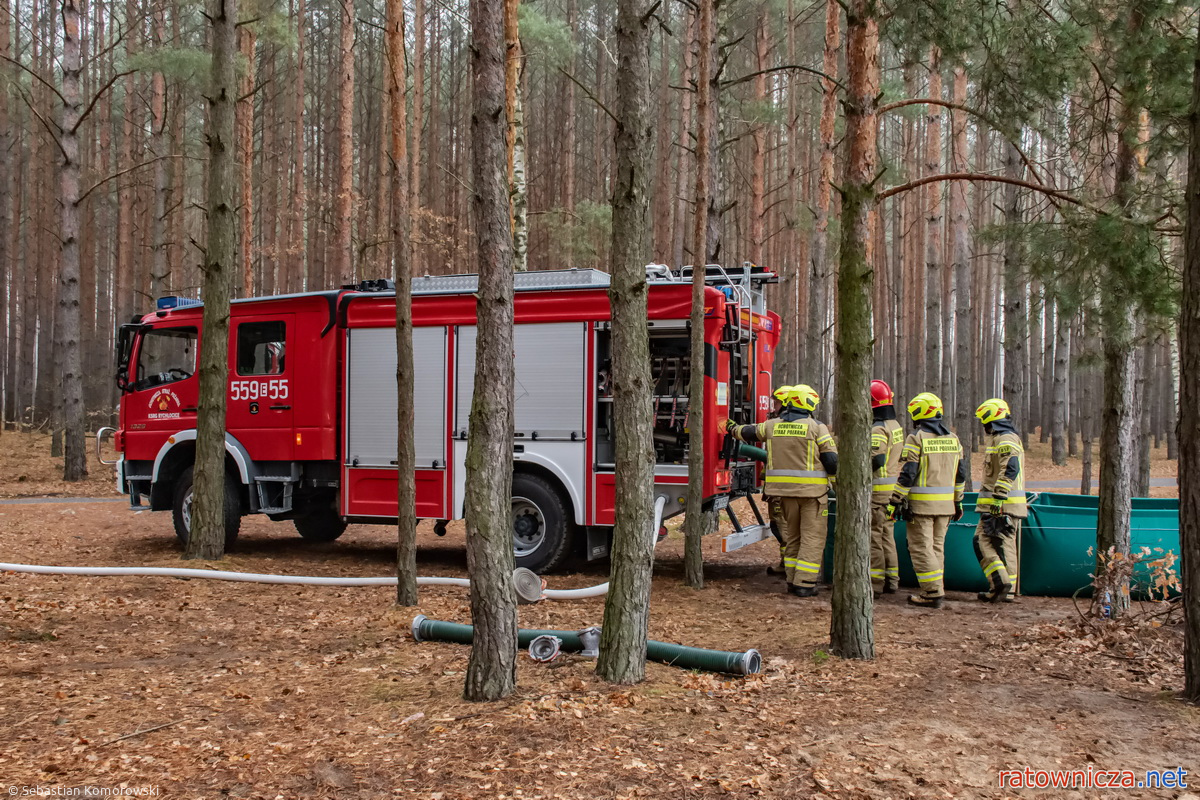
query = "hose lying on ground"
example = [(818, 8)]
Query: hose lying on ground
[(747, 663), (529, 587)]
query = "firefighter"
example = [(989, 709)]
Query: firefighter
[(1001, 503), (929, 493), (801, 458), (774, 506), (887, 440)]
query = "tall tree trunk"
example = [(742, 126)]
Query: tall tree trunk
[(683, 156), (1060, 411), (297, 270), (206, 538), (67, 326), (1142, 435), (696, 522), (8, 272), (1016, 322), (758, 160), (627, 604), (400, 225), (417, 251), (245, 126), (1118, 419), (492, 668), (814, 343), (933, 231), (515, 114), (960, 257), (1189, 398), (343, 220), (852, 625), (160, 266)]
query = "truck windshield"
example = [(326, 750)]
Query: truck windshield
[(165, 355)]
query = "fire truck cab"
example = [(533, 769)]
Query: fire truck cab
[(311, 430)]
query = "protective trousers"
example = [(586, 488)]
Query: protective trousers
[(804, 533), (778, 522), (885, 564), (999, 553), (927, 546)]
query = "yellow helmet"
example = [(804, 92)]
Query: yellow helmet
[(991, 410), (804, 397), (924, 406), (782, 393)]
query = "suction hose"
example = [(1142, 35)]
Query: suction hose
[(747, 663)]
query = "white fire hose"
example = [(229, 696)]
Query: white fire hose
[(530, 587)]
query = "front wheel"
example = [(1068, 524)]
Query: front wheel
[(181, 509), (542, 525)]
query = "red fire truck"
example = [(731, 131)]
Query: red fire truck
[(311, 423)]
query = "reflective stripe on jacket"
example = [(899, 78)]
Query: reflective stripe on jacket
[(939, 481), (887, 439), (1004, 476), (794, 448)]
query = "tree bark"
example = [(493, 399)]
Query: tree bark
[(343, 220), (1016, 321), (160, 265), (627, 605), (933, 232), (1189, 398), (1118, 419), (814, 343), (960, 256), (851, 628), (245, 133), (1061, 407), (8, 272), (67, 326), (416, 249), (758, 158), (297, 270), (400, 225), (492, 668), (207, 536), (696, 522), (1142, 436)]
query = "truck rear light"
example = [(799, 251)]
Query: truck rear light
[(298, 441), (723, 477)]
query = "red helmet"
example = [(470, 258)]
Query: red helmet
[(881, 394)]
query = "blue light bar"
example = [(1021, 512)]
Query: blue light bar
[(170, 301)]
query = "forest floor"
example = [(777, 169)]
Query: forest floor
[(212, 689)]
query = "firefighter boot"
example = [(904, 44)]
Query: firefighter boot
[(924, 602), (803, 591)]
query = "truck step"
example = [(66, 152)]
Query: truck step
[(748, 535)]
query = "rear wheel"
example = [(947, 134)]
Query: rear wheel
[(322, 523), (181, 509), (542, 525)]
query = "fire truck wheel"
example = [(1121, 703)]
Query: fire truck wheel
[(541, 524), (324, 525), (181, 509)]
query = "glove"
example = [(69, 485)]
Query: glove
[(890, 510), (995, 509), (730, 426), (958, 511)]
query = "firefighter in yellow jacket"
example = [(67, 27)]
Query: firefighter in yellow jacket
[(774, 506), (801, 458), (929, 493), (887, 440), (1001, 503)]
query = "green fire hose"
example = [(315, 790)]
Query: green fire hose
[(750, 451), (747, 663)]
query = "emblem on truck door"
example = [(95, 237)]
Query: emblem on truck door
[(164, 404)]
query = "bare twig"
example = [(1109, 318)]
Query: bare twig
[(146, 730)]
